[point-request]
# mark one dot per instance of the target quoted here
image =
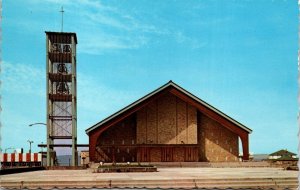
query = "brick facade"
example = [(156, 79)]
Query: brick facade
[(217, 143), (167, 129), (114, 144), (168, 120)]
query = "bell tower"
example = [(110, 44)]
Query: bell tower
[(61, 96)]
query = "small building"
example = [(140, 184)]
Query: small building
[(168, 125), (284, 158), (84, 158), (283, 155)]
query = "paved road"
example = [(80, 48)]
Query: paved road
[(164, 173), (168, 175)]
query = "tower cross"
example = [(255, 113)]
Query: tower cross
[(62, 18)]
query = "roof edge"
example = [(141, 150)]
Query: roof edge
[(62, 33), (170, 83), (128, 107), (213, 108)]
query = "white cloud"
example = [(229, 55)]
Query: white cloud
[(97, 97), (102, 28), (193, 43), (93, 96), (23, 79), (101, 43), (100, 18)]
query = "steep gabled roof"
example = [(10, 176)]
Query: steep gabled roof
[(170, 84)]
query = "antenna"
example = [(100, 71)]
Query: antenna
[(62, 18)]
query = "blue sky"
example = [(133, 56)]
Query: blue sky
[(239, 56)]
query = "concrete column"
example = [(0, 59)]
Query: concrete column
[(74, 106), (47, 103)]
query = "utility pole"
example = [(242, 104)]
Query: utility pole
[(42, 147), (30, 142)]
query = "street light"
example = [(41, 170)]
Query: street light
[(40, 123), (8, 149), (37, 124), (29, 145)]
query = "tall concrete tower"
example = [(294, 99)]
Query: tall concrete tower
[(61, 96)]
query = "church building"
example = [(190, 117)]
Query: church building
[(168, 125)]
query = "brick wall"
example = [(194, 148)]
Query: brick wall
[(123, 133), (217, 143), (167, 120)]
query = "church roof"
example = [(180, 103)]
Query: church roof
[(169, 85)]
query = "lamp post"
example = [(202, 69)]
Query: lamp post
[(30, 142), (40, 123), (42, 147), (42, 154), (8, 149), (30, 125)]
